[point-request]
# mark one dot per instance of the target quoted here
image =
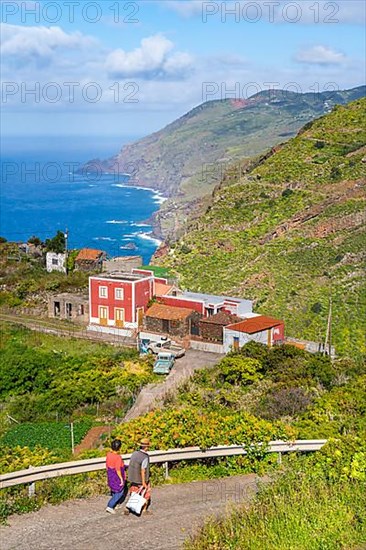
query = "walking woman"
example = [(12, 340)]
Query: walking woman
[(116, 476)]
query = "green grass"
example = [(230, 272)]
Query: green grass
[(299, 511), (158, 270), (50, 435), (293, 516)]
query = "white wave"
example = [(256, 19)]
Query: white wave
[(117, 221), (149, 237), (103, 239), (157, 196), (159, 199), (130, 235), (140, 225)]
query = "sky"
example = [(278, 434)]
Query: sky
[(117, 70)]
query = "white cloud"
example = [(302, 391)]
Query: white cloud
[(22, 44), (152, 60), (320, 55)]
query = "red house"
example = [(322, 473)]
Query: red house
[(119, 300)]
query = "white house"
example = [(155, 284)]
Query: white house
[(258, 328), (55, 262)]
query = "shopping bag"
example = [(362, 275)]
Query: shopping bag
[(136, 502)]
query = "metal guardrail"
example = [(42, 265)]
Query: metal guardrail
[(31, 475)]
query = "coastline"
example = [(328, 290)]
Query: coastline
[(156, 233)]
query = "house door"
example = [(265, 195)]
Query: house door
[(194, 327), (103, 316), (235, 343), (140, 316), (68, 308), (119, 317)]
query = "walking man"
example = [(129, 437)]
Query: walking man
[(116, 476), (139, 473)]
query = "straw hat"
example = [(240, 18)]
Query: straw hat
[(145, 442)]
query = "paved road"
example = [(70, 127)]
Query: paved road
[(153, 394), (178, 510)]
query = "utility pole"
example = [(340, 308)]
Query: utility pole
[(330, 329), (328, 337), (66, 234), (72, 437)]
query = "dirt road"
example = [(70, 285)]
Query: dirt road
[(153, 394), (84, 525)]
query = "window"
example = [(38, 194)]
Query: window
[(54, 261), (118, 293), (103, 292), (165, 326)]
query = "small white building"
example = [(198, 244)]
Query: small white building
[(258, 328), (56, 262)]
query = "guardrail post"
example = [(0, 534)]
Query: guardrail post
[(31, 486), (32, 489), (279, 458), (166, 467)]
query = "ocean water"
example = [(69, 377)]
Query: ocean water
[(40, 195)]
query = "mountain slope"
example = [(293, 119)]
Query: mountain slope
[(290, 233), (187, 158)]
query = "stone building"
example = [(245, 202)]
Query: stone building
[(89, 259), (212, 328), (71, 307), (174, 321)]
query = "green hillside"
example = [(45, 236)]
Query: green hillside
[(187, 158), (290, 232)]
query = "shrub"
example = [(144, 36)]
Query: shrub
[(281, 402), (317, 307), (236, 369)]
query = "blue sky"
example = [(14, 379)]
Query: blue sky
[(127, 68)]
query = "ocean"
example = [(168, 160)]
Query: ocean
[(41, 193)]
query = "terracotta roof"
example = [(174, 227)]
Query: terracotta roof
[(255, 324), (171, 313), (89, 254), (221, 318), (161, 289)]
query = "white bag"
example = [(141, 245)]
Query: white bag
[(136, 502)]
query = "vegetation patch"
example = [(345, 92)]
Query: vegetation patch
[(51, 435), (318, 502), (277, 233), (47, 378)]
